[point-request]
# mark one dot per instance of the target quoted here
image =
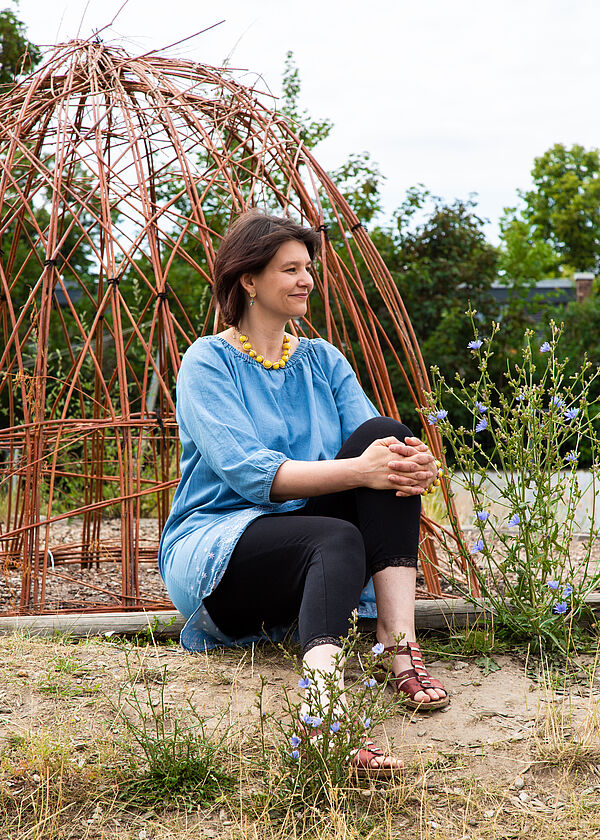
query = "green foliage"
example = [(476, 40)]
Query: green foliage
[(316, 750), (311, 131), (181, 761), (581, 341), (564, 206), (558, 226), (441, 263), (524, 485), (17, 54), (523, 260)]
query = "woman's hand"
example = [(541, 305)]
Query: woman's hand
[(410, 473), (416, 460)]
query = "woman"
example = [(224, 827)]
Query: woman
[(294, 492)]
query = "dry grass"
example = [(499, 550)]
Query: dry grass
[(61, 779)]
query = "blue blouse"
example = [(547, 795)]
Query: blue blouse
[(238, 422)]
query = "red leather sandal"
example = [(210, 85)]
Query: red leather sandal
[(410, 682), (360, 759)]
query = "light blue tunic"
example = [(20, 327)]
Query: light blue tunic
[(238, 422)]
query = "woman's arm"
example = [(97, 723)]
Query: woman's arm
[(382, 466)]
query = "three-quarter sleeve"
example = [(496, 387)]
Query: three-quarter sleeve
[(210, 411)]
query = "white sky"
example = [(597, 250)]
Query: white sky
[(459, 96)]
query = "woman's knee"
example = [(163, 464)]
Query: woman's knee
[(380, 427), (341, 548)]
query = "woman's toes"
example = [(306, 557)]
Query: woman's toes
[(421, 697)]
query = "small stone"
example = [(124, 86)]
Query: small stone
[(435, 826), (519, 783), (489, 814), (421, 733), (524, 796), (22, 673), (36, 777), (458, 666)]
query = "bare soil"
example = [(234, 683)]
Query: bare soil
[(492, 740)]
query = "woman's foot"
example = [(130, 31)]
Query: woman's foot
[(412, 680), (369, 760)]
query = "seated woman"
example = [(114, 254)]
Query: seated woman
[(294, 491)]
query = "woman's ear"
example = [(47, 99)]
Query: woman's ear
[(247, 284)]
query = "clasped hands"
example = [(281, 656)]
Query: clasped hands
[(410, 473)]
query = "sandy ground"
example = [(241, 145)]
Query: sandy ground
[(50, 684)]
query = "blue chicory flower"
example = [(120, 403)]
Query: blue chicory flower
[(552, 584), (295, 741), (434, 416), (483, 515), (558, 402), (545, 348), (571, 456), (370, 683), (521, 397), (294, 754), (475, 344), (477, 547), (315, 722), (481, 408), (561, 608), (571, 413), (481, 425), (335, 726), (568, 590), (304, 682), (367, 723), (514, 520), (378, 649)]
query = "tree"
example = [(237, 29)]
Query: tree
[(442, 264), (17, 54), (562, 210)]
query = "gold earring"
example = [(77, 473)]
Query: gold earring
[(252, 300)]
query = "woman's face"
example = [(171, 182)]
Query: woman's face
[(283, 286)]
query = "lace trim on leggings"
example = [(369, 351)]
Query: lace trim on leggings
[(406, 562), (322, 640)]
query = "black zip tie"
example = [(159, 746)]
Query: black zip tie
[(159, 420), (51, 262), (356, 226), (163, 295), (325, 229), (113, 281)]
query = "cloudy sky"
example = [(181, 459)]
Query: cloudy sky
[(459, 96)]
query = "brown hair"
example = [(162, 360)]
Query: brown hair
[(250, 243)]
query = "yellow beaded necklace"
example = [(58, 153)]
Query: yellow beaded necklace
[(285, 353)]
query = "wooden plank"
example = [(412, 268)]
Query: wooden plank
[(163, 623), (437, 614)]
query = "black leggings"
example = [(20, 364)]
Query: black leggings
[(312, 564)]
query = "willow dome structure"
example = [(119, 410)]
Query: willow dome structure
[(118, 176)]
